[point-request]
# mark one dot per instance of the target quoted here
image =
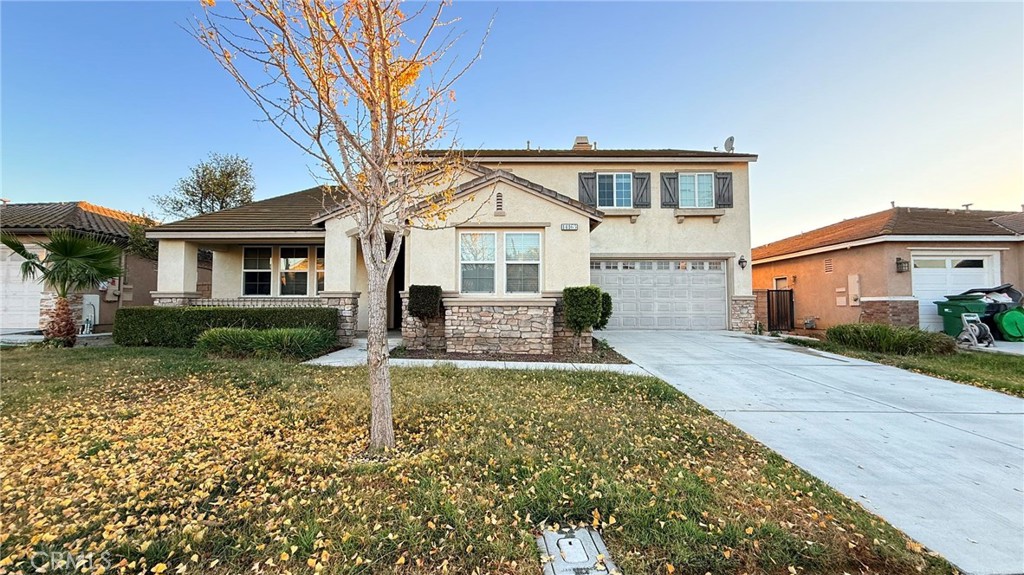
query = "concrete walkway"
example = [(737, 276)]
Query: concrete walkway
[(943, 462), (356, 355)]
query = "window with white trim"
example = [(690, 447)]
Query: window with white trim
[(293, 270), (697, 190), (478, 261), (615, 190), (256, 270), (522, 262), (319, 269)]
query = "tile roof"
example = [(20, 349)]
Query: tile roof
[(290, 212), (573, 154), (1013, 222), (81, 216), (894, 221), (493, 175)]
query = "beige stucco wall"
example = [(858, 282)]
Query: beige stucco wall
[(814, 291), (656, 232), (432, 256), (176, 272), (227, 273)]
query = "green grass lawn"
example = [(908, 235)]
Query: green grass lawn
[(999, 371), (168, 461)]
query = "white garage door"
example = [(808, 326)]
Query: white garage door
[(936, 276), (660, 294), (19, 300)]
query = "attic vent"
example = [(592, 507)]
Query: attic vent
[(499, 204), (828, 265)]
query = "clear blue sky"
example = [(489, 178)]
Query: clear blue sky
[(850, 105)]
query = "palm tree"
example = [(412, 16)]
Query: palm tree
[(73, 262)]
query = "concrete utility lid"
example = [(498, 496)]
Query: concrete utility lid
[(575, 552)]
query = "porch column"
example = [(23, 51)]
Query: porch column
[(340, 256), (176, 273)]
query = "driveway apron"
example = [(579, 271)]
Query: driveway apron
[(942, 461)]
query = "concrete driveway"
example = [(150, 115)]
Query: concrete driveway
[(942, 461)]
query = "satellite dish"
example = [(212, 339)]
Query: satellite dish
[(729, 144)]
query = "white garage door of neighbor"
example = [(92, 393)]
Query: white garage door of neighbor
[(660, 294), (936, 276), (19, 299)]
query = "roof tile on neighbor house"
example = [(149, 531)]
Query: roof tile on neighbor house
[(1013, 222), (583, 154), (894, 221), (290, 212), (80, 216)]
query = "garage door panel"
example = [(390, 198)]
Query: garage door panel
[(685, 295), (935, 276)]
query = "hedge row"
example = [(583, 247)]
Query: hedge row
[(287, 343), (181, 326), (883, 338)]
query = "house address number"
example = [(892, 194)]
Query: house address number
[(570, 227)]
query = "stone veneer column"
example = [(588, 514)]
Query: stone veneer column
[(418, 334), (741, 313), (902, 311), (347, 304), (564, 338)]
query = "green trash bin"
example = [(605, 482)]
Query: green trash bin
[(955, 305)]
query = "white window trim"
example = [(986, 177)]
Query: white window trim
[(275, 271), (241, 286), (504, 267), (614, 175), (500, 287), (696, 193)]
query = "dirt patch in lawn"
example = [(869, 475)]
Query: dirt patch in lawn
[(601, 354)]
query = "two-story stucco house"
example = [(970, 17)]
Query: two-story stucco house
[(665, 232)]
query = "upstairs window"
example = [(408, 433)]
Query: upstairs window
[(697, 190), (256, 274), (294, 270), (615, 190)]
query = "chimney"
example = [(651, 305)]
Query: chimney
[(582, 143)]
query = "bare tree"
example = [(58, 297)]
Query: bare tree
[(364, 89)]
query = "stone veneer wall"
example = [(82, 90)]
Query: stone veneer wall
[(890, 311), (420, 334), (484, 327), (741, 313), (564, 338), (347, 304), (761, 307), (48, 302)]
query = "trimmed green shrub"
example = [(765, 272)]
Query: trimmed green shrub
[(582, 307), (882, 338), (606, 310), (289, 343), (181, 326), (425, 301)]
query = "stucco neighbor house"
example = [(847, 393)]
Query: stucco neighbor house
[(890, 266), (665, 232), (25, 304)]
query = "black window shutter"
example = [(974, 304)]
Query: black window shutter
[(642, 190), (669, 190), (588, 188), (723, 189)]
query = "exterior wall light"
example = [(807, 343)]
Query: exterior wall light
[(902, 265), (742, 262)]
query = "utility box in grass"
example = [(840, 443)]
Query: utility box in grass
[(575, 552)]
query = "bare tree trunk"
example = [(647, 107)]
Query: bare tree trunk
[(382, 429)]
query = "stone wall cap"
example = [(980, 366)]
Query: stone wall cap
[(744, 297), (330, 294), (498, 302), (889, 298), (175, 294)]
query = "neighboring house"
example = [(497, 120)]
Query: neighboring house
[(24, 304), (665, 232), (890, 267)]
